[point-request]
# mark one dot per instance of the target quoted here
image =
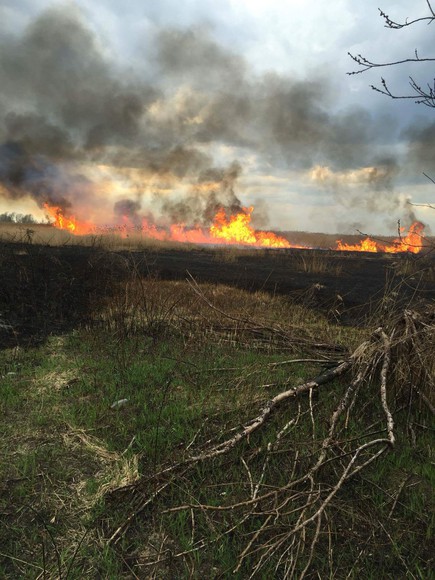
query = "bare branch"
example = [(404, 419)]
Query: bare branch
[(429, 177), (384, 374), (368, 64), (389, 23), (423, 96)]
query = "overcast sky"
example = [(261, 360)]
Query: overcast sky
[(170, 108)]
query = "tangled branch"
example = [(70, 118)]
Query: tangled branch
[(282, 525), (421, 95)]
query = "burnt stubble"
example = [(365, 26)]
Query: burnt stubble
[(49, 289)]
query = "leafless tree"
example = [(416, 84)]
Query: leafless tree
[(421, 95)]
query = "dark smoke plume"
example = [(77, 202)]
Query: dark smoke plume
[(64, 104), (22, 174), (127, 208), (214, 190)]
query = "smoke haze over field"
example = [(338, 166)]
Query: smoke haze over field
[(185, 123)]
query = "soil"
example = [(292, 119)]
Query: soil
[(46, 290)]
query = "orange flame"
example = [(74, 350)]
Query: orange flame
[(235, 229), (67, 223), (412, 242)]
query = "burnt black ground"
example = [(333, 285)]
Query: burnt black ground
[(46, 290)]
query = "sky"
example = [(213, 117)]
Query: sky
[(174, 108)]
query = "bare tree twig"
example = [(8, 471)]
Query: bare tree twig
[(282, 524), (384, 374), (425, 96)]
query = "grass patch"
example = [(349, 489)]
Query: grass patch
[(188, 374)]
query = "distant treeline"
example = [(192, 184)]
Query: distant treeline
[(17, 218)]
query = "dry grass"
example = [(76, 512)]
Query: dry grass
[(420, 268), (196, 363), (317, 263), (117, 239), (108, 240)]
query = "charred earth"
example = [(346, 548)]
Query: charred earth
[(47, 289)]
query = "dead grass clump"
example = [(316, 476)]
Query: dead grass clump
[(284, 518), (420, 268), (118, 469), (317, 263), (413, 363)]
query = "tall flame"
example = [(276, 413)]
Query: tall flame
[(67, 223), (235, 229), (411, 242)]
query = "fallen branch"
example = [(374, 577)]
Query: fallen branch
[(270, 406), (230, 443), (284, 523)]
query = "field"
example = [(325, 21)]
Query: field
[(186, 412)]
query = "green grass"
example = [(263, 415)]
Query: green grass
[(189, 376)]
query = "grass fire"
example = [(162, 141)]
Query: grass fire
[(235, 229), (153, 387), (207, 370)]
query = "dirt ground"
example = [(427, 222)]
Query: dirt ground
[(46, 289)]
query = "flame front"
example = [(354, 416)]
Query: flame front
[(67, 223), (411, 242), (235, 229)]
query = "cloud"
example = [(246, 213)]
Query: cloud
[(65, 103), (421, 146), (370, 189)]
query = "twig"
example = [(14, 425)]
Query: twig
[(265, 413), (424, 399), (53, 541), (384, 373), (399, 491), (76, 551), (21, 561), (313, 544), (297, 360), (117, 534), (429, 177)]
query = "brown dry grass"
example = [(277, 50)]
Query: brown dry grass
[(113, 240), (196, 362)]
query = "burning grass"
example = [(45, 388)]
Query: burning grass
[(235, 228), (178, 480), (227, 228), (230, 234)]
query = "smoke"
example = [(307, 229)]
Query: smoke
[(22, 173), (367, 188), (127, 208), (421, 146), (65, 104), (377, 179), (214, 190)]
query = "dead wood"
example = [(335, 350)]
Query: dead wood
[(396, 359)]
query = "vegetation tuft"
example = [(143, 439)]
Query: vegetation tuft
[(187, 430)]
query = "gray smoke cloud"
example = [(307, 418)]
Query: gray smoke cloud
[(369, 188), (214, 190), (127, 208), (422, 146), (64, 103)]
